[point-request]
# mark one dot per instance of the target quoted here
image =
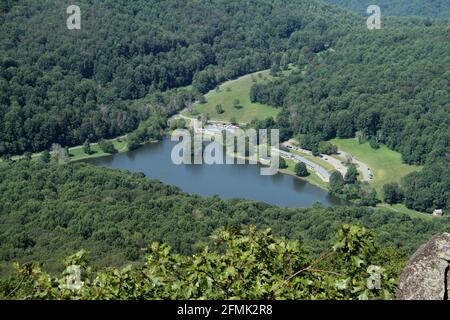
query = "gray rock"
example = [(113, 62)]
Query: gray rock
[(427, 276)]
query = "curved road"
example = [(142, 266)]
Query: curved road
[(337, 164), (321, 171), (362, 167)]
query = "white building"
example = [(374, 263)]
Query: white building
[(438, 213)]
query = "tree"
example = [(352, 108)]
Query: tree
[(107, 146), (392, 193), (315, 151), (237, 104), (178, 124), (61, 154), (350, 191), (352, 174), (275, 69), (360, 137), (219, 109), (133, 142), (202, 99), (87, 147), (328, 148), (337, 182), (345, 124), (270, 276), (309, 142), (254, 93), (204, 81), (283, 164), (284, 63), (428, 189), (374, 143), (367, 195), (301, 170), (45, 156)]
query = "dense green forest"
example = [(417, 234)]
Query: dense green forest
[(49, 211), (242, 264), (424, 8), (65, 86)]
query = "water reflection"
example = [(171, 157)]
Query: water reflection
[(227, 181)]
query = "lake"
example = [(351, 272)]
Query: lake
[(226, 181)]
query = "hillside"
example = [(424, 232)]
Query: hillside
[(135, 63), (64, 86), (244, 264), (233, 97), (424, 8), (49, 211)]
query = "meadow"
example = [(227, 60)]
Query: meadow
[(386, 165), (228, 93)]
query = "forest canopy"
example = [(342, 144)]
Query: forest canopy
[(423, 8), (65, 86), (49, 211)]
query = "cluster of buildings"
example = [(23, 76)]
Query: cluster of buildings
[(215, 128)]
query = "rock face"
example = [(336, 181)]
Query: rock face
[(427, 275)]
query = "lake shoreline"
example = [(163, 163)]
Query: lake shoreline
[(226, 181)]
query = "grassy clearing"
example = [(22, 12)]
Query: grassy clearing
[(77, 153), (386, 164), (412, 213), (228, 93)]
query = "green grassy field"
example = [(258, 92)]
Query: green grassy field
[(401, 208), (228, 93), (77, 153), (386, 165)]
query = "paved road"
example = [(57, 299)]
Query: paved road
[(337, 164), (362, 167), (321, 171)]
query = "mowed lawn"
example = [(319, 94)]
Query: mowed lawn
[(228, 93), (386, 164), (77, 153)]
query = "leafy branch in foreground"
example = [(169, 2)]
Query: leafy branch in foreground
[(245, 264)]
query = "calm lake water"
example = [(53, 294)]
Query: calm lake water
[(226, 181)]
